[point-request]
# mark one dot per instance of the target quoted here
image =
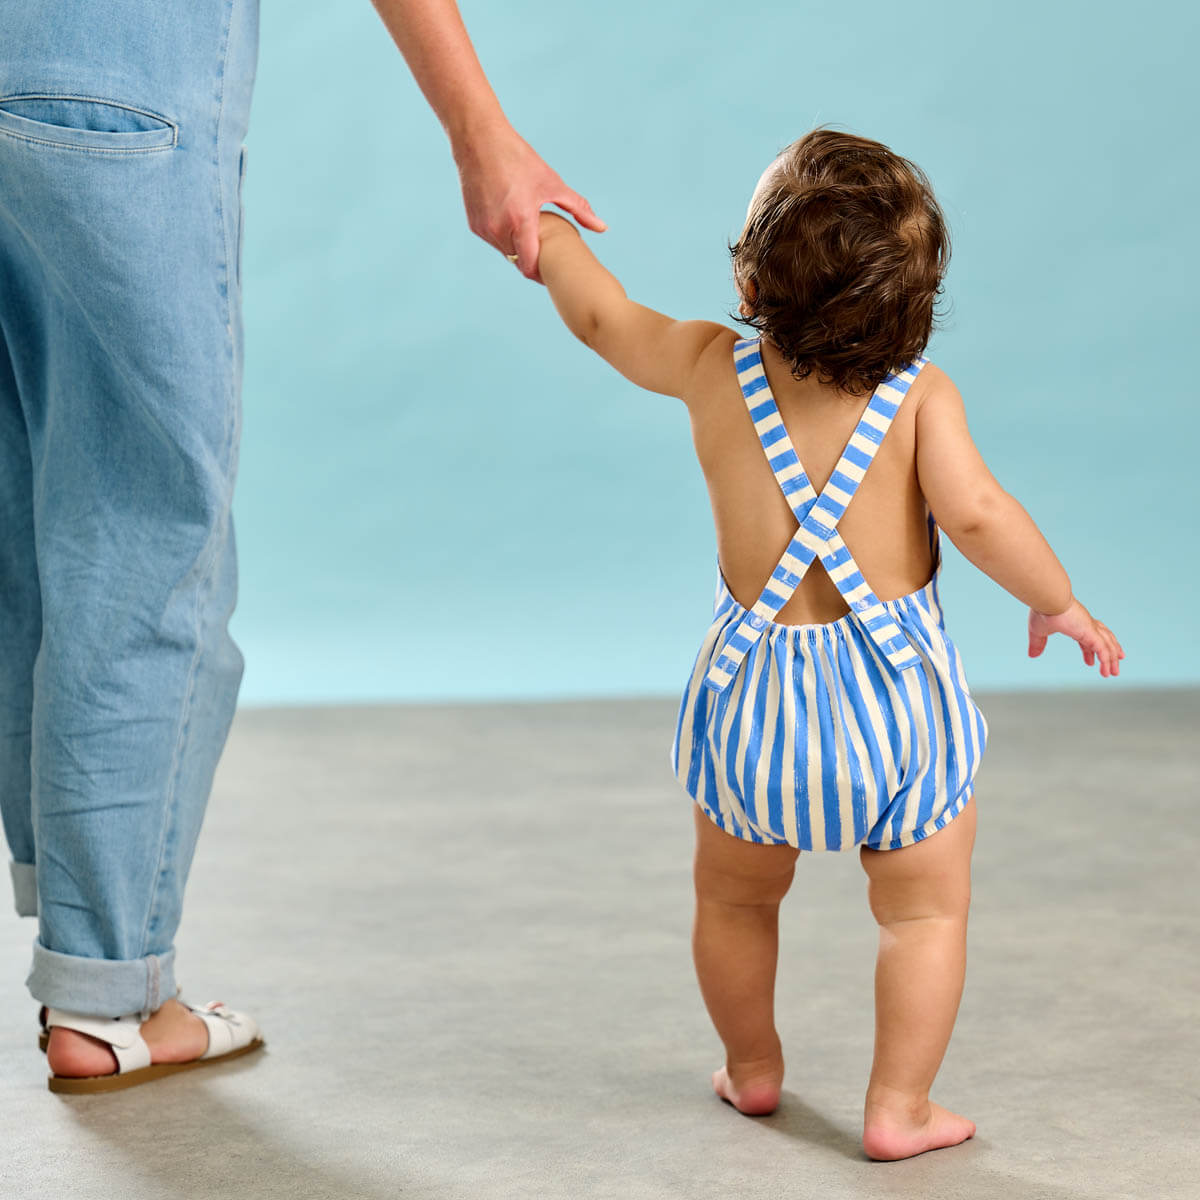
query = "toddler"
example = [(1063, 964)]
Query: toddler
[(827, 707)]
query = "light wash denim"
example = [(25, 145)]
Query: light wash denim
[(121, 162)]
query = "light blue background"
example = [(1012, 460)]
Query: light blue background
[(443, 495)]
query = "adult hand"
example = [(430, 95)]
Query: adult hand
[(504, 185)]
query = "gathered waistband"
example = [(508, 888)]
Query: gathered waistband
[(925, 597)]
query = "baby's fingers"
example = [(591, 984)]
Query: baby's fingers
[(1037, 643), (1115, 653), (1112, 637), (1105, 645), (1101, 646)]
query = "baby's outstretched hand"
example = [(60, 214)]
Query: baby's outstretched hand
[(1095, 639)]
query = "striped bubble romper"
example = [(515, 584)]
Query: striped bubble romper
[(824, 737)]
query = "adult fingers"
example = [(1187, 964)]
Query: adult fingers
[(580, 209), (526, 244)]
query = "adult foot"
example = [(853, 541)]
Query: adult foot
[(751, 1088), (890, 1134), (173, 1034)]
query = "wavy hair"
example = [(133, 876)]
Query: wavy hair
[(842, 258)]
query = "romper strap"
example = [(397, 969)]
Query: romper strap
[(772, 433), (818, 516), (840, 566)]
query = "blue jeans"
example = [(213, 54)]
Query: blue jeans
[(121, 160)]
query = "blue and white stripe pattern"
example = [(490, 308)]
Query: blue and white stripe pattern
[(818, 516), (827, 736)]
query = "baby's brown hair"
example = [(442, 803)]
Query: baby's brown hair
[(841, 259)]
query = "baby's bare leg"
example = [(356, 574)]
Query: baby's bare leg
[(735, 943), (920, 896)]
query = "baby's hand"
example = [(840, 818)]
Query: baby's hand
[(1095, 639)]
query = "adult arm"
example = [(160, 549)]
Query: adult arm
[(504, 181)]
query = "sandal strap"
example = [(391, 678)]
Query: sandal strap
[(122, 1034), (227, 1030)]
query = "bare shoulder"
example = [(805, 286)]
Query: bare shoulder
[(714, 344), (714, 370), (935, 398), (932, 384)]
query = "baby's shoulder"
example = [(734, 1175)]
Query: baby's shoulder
[(718, 350), (715, 373), (934, 389)]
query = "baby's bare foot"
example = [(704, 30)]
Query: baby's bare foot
[(752, 1088), (173, 1034), (892, 1133)]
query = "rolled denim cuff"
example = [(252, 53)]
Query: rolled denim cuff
[(102, 987), (24, 881)]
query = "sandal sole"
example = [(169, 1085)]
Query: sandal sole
[(96, 1084)]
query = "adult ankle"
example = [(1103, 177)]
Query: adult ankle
[(75, 1055)]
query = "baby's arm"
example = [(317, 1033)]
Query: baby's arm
[(649, 349), (992, 529)]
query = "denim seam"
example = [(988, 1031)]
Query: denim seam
[(145, 112), (217, 163), (206, 581), (153, 982), (24, 137)]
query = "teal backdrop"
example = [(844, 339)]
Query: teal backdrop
[(443, 495)]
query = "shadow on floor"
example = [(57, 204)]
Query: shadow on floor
[(802, 1123), (193, 1144)]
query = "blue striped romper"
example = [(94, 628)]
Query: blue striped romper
[(861, 730)]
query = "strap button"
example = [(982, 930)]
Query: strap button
[(756, 622)]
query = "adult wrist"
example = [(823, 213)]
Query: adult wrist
[(473, 129)]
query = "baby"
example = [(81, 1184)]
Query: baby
[(828, 708)]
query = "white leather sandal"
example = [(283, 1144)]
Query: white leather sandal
[(230, 1035)]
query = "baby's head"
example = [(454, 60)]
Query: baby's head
[(841, 259)]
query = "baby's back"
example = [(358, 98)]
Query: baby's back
[(885, 526)]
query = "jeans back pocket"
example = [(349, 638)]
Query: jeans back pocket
[(85, 123)]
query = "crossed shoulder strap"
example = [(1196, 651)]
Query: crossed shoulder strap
[(817, 515)]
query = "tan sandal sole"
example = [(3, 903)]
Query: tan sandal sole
[(95, 1084)]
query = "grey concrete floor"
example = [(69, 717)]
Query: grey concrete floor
[(465, 933)]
